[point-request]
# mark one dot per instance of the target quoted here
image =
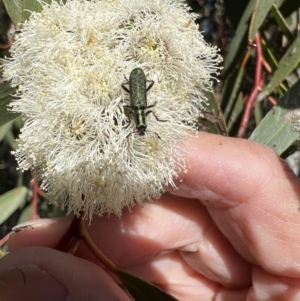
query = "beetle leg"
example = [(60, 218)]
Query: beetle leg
[(129, 134), (151, 84), (129, 113), (151, 106), (157, 136), (125, 88), (147, 113)]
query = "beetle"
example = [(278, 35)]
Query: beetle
[(138, 99)]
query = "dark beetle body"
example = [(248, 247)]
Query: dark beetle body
[(138, 89), (138, 98)]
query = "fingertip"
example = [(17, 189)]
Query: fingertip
[(272, 287), (29, 282), (225, 167), (41, 232), (74, 277)]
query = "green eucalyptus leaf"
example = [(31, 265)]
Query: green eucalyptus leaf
[(262, 7), (212, 120), (286, 65), (258, 113), (272, 61), (239, 41), (5, 128), (236, 113), (4, 250), (14, 10), (11, 201), (142, 290), (20, 10), (233, 86), (26, 214), (6, 92), (5, 24), (282, 23), (277, 130)]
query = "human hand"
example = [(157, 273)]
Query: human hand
[(229, 233)]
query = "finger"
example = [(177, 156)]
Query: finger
[(171, 224), (45, 274), (45, 232), (267, 287), (252, 197), (174, 276), (142, 233), (169, 272)]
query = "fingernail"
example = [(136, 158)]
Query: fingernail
[(198, 192), (29, 282), (35, 224)]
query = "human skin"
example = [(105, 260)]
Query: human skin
[(230, 232)]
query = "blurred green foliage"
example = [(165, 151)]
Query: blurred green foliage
[(231, 25)]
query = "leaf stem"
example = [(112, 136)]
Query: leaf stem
[(84, 235)]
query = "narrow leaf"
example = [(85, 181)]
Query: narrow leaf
[(30, 6), (14, 10), (142, 290), (26, 214), (277, 130), (4, 129), (11, 201), (238, 40), (271, 59), (6, 92), (286, 65), (20, 10), (282, 24), (236, 113), (262, 7), (235, 86), (213, 120)]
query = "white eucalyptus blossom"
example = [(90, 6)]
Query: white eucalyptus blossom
[(69, 63)]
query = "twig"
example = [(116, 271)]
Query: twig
[(256, 88), (84, 235)]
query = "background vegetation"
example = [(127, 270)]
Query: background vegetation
[(257, 96)]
